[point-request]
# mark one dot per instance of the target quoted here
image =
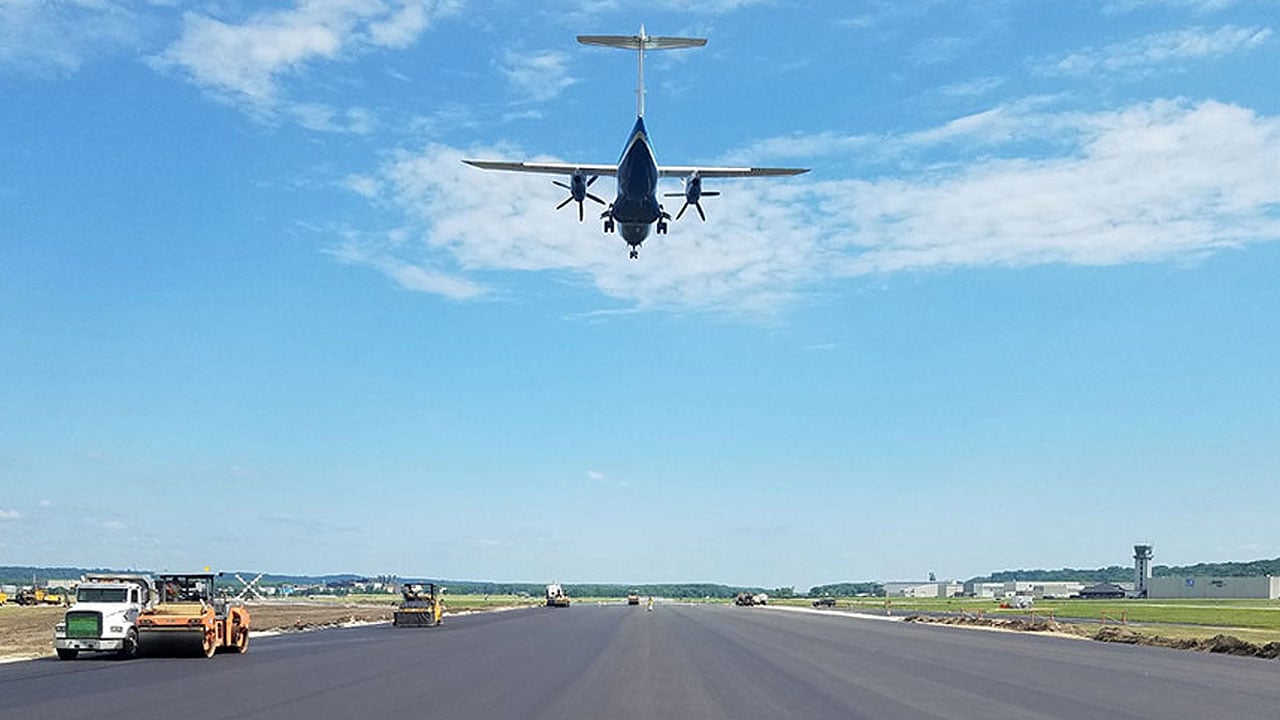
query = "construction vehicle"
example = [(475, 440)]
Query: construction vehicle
[(423, 606), (40, 596), (104, 616), (746, 599), (556, 596), (633, 599), (188, 619)]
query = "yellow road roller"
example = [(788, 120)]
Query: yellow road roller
[(423, 606)]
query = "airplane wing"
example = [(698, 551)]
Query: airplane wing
[(727, 172), (545, 168)]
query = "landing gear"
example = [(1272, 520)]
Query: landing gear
[(635, 254), (608, 225), (662, 227)]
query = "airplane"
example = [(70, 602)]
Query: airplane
[(635, 210)]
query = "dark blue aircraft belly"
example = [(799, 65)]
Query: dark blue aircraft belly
[(637, 200)]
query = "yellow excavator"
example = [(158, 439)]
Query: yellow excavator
[(423, 606)]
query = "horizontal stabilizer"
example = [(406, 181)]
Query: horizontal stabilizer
[(636, 42)]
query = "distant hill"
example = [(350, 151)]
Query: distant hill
[(22, 575), (1120, 573)]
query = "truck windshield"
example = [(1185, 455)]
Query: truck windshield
[(102, 595)]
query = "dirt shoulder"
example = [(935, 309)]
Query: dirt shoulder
[(1201, 639), (27, 632)]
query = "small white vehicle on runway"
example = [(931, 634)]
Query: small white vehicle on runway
[(104, 615)]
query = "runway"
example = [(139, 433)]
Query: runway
[(618, 663)]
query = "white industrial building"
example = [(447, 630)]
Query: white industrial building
[(1264, 587), (923, 589)]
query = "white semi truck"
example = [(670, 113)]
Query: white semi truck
[(104, 615)]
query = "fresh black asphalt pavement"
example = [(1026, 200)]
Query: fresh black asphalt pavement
[(617, 662)]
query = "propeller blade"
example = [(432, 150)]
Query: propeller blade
[(557, 182), (710, 193), (680, 194), (592, 179), (682, 209), (566, 202), (581, 212), (593, 197), (698, 207)]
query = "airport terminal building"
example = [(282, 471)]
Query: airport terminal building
[(1264, 587)]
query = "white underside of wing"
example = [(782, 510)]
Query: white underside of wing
[(545, 168), (727, 172)]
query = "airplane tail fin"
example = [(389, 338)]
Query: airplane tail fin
[(640, 43)]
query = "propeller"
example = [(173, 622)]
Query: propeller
[(693, 194), (577, 187)]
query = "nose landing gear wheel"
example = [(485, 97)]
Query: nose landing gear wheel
[(635, 254)]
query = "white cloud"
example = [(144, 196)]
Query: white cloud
[(973, 88), (1147, 52), (245, 62), (318, 116), (1197, 6), (113, 525), (540, 76), (713, 7), (1156, 181), (385, 256), (45, 504), (10, 515), (595, 475), (57, 36)]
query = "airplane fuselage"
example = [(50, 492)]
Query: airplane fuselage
[(636, 207)]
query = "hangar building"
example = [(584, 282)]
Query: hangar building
[(1264, 587)]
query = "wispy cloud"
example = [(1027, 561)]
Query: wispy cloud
[(385, 253), (1157, 50), (1155, 181), (56, 36), (973, 88), (1196, 6), (306, 524), (539, 76), (246, 62), (596, 475), (715, 7), (10, 515)]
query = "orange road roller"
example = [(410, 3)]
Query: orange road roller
[(189, 620)]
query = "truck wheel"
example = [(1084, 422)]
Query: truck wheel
[(130, 649), (67, 653), (210, 645)]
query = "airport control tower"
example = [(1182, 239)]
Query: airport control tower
[(1141, 569)]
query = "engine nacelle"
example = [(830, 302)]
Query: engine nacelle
[(578, 186), (693, 190)]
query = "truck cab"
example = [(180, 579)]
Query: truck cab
[(104, 616)]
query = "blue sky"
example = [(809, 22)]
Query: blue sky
[(256, 314)]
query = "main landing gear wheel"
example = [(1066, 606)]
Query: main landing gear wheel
[(662, 228), (608, 226), (635, 254)]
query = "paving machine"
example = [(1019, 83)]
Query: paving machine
[(189, 620), (423, 606)]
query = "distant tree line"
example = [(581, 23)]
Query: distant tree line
[(848, 589)]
